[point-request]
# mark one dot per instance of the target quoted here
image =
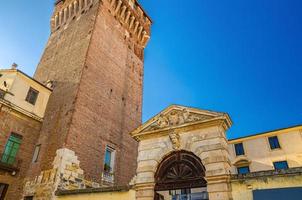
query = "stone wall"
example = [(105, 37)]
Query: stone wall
[(209, 144), (13, 121), (114, 193), (66, 174)]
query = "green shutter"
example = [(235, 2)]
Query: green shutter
[(11, 149)]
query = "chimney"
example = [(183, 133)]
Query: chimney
[(14, 66)]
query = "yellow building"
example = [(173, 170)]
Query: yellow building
[(24, 92), (184, 154)]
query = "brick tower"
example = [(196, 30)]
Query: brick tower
[(94, 61)]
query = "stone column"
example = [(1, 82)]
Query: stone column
[(213, 151), (144, 191), (219, 188)]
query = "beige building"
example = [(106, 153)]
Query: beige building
[(23, 102), (184, 154), (24, 92)]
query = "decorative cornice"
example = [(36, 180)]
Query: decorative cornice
[(269, 173), (180, 118), (94, 190), (9, 107)]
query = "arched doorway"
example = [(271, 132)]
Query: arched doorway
[(180, 176)]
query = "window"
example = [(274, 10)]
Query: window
[(3, 189), (280, 165), (32, 96), (243, 170), (109, 160), (29, 198), (36, 153), (239, 149), (2, 94), (11, 149), (274, 142)]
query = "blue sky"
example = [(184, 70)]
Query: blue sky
[(239, 57)]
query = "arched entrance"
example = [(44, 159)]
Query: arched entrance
[(180, 176)]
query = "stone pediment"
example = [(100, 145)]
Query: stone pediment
[(177, 116)]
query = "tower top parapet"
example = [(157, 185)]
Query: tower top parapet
[(128, 12)]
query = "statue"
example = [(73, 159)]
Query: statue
[(175, 139)]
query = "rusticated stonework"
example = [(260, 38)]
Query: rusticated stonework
[(177, 129), (66, 174)]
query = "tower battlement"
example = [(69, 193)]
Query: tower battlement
[(128, 12)]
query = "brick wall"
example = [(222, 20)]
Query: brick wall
[(62, 62), (28, 128), (97, 69), (109, 101)]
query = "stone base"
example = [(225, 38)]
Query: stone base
[(65, 175)]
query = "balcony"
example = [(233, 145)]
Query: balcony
[(108, 178), (9, 163)]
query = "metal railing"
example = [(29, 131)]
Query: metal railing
[(108, 177), (193, 196), (8, 162)]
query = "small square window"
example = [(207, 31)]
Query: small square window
[(243, 170), (280, 165), (274, 142), (32, 96), (239, 149)]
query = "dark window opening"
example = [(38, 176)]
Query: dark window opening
[(274, 142), (32, 96), (243, 170), (280, 165), (239, 149), (29, 198), (3, 190), (36, 153), (2, 94)]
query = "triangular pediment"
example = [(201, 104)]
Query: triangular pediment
[(175, 116)]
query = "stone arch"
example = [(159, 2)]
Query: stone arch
[(179, 170)]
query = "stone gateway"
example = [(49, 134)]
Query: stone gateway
[(74, 130)]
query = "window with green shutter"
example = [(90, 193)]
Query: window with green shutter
[(11, 149)]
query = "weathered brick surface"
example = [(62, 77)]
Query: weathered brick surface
[(109, 101), (97, 69), (29, 129), (62, 62)]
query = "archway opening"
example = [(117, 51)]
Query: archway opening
[(181, 176)]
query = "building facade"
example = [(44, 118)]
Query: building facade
[(22, 106), (93, 63), (76, 126), (184, 153)]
